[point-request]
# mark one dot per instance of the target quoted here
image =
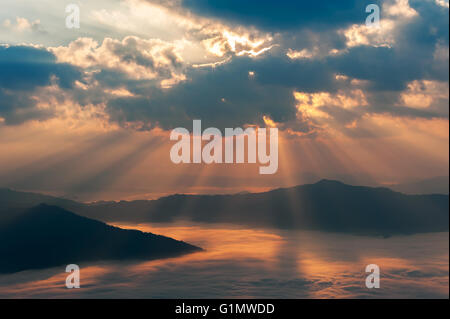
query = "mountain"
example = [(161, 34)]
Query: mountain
[(13, 202), (326, 205), (435, 185), (47, 236), (26, 199)]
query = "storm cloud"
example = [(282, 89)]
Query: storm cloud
[(146, 83), (280, 16), (24, 69)]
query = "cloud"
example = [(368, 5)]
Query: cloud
[(224, 96), (240, 92), (25, 69), (379, 64), (200, 39), (23, 24), (248, 76), (138, 58), (227, 95), (275, 16)]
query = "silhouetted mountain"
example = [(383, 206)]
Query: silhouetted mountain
[(47, 236), (326, 205), (14, 202), (435, 185), (27, 199)]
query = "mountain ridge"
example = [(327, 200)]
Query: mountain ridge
[(48, 236), (327, 205)]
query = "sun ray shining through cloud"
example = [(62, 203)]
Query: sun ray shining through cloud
[(100, 107)]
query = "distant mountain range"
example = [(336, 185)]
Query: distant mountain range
[(327, 205), (414, 186), (47, 236), (435, 185)]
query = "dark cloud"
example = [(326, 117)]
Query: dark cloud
[(386, 68), (304, 75), (418, 41), (412, 56), (275, 15), (225, 96), (430, 26), (23, 70)]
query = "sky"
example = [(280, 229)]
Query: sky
[(87, 112)]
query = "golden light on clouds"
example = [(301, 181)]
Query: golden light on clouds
[(395, 14), (268, 121), (241, 44), (310, 103), (138, 58), (422, 94)]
